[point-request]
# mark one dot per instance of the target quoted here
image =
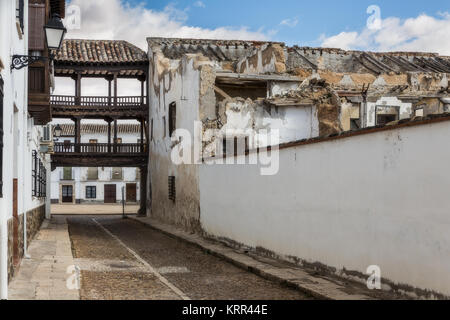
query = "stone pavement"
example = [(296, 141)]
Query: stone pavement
[(321, 287), (45, 275)]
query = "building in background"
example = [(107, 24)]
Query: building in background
[(24, 112), (96, 185)]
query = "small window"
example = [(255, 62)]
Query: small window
[(164, 126), (151, 131), (117, 174), (20, 13), (92, 174), (67, 173), (39, 175), (355, 124), (383, 119), (172, 189), (91, 192), (235, 146), (172, 118)]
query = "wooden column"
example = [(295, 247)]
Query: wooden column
[(77, 134), (142, 135), (78, 89), (143, 188), (115, 89), (109, 91), (115, 135), (109, 135)]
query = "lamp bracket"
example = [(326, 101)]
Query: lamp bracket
[(21, 61)]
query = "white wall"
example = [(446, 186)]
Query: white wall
[(376, 199)]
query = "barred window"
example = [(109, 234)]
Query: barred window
[(1, 136), (91, 192), (39, 177)]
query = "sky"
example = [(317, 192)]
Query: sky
[(401, 25)]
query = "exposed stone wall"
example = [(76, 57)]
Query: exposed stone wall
[(35, 218)]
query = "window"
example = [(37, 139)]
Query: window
[(92, 174), (39, 175), (36, 79), (20, 13), (117, 174), (355, 124), (67, 173), (164, 127), (235, 146), (172, 118), (1, 136), (91, 192), (383, 119), (172, 189), (151, 131)]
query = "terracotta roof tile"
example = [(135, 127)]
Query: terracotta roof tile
[(100, 52), (68, 129)]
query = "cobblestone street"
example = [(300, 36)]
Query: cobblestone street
[(124, 259)]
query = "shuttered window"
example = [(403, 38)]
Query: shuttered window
[(36, 77), (1, 137), (36, 35)]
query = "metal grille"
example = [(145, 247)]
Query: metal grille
[(172, 188), (1, 136), (39, 177)]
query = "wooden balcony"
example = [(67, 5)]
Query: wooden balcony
[(99, 155), (130, 107)]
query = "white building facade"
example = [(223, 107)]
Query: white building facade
[(24, 169), (96, 185)]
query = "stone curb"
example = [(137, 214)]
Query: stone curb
[(292, 277)]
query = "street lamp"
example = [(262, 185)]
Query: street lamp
[(54, 36), (57, 131)]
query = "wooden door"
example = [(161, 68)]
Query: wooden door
[(67, 194), (110, 193), (131, 192)]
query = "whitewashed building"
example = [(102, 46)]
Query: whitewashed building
[(24, 163), (96, 185)]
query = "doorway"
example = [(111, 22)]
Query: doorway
[(110, 193), (67, 194), (131, 193)]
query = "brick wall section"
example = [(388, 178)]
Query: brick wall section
[(35, 218)]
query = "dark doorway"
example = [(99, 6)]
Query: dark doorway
[(131, 192), (383, 119), (67, 194), (110, 193)]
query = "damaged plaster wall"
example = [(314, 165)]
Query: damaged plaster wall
[(324, 204), (173, 81)]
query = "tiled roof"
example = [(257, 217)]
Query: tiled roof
[(68, 129), (221, 50), (101, 52)]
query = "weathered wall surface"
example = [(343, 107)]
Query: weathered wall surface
[(35, 218), (174, 81), (374, 199)]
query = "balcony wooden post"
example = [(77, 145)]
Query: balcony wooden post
[(142, 135), (143, 188), (115, 136), (77, 134), (78, 89), (109, 135), (115, 90)]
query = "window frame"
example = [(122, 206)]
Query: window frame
[(91, 192)]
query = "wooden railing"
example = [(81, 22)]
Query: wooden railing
[(100, 148), (130, 102)]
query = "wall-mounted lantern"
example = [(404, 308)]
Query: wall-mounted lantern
[(54, 36), (57, 131)]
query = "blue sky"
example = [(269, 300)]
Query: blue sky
[(315, 18)]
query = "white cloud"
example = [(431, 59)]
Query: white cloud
[(289, 22), (199, 4), (118, 20), (422, 33)]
